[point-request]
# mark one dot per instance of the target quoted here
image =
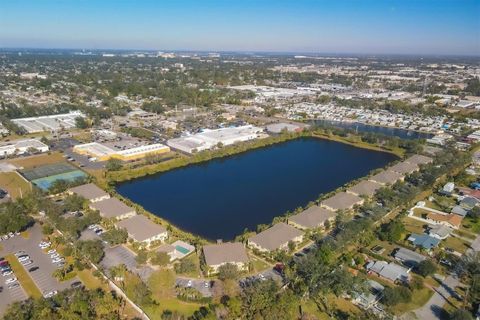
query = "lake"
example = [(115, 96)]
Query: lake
[(388, 131), (218, 199)]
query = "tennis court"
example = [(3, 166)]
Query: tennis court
[(46, 182)]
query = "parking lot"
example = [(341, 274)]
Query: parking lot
[(42, 277), (117, 255), (204, 286), (8, 296)]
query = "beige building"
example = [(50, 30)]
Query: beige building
[(276, 238), (217, 255), (143, 230), (312, 218), (342, 201), (113, 208), (90, 192)]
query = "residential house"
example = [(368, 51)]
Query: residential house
[(424, 241), (451, 220), (90, 192), (387, 177), (143, 230), (408, 257), (217, 255), (440, 231), (342, 201), (312, 218), (365, 188), (113, 208), (276, 238), (389, 271)]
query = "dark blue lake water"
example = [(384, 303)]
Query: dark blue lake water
[(218, 199)]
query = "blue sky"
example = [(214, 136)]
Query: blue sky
[(326, 26)]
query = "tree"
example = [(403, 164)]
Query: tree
[(74, 203), (141, 257), (160, 258), (115, 236), (461, 314), (426, 267), (113, 164), (393, 296), (81, 123), (91, 249), (185, 266), (228, 271), (391, 231)]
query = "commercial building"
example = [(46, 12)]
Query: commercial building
[(102, 152), (342, 201), (54, 122), (113, 209), (365, 188), (276, 238), (90, 192), (143, 230), (22, 146), (211, 138), (312, 218), (217, 255)]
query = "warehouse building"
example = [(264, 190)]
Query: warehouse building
[(113, 208), (276, 238), (22, 146), (312, 218), (54, 122), (143, 230), (102, 152), (217, 255), (209, 139)]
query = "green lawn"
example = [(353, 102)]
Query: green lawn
[(23, 277), (413, 226), (471, 224), (89, 280), (456, 244), (14, 184), (419, 298)]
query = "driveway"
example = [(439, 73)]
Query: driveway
[(43, 276), (433, 309), (204, 286)]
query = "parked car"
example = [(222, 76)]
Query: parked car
[(54, 256), (20, 253), (51, 251), (23, 258), (7, 273), (14, 285), (50, 294), (10, 280), (76, 284), (33, 269), (26, 263)]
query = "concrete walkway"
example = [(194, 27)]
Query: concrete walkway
[(433, 309)]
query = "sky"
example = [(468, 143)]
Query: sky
[(441, 27)]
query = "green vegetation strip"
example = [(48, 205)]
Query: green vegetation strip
[(23, 277)]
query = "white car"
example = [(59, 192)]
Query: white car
[(10, 280), (26, 263), (92, 226), (7, 273), (189, 283), (23, 258), (50, 294), (54, 256), (58, 260), (52, 251), (5, 237), (20, 253)]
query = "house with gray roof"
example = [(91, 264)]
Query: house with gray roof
[(311, 218), (143, 230), (408, 257), (390, 271), (419, 159), (217, 255), (275, 238), (365, 188), (440, 231), (342, 201), (90, 192), (424, 241), (459, 210), (113, 208), (387, 177), (404, 167)]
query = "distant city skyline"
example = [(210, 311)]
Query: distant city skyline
[(418, 27)]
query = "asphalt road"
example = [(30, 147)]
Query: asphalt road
[(8, 296), (433, 309)]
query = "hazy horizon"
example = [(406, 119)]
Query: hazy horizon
[(391, 27)]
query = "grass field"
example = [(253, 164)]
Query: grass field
[(419, 298), (37, 160), (14, 184), (23, 277)]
